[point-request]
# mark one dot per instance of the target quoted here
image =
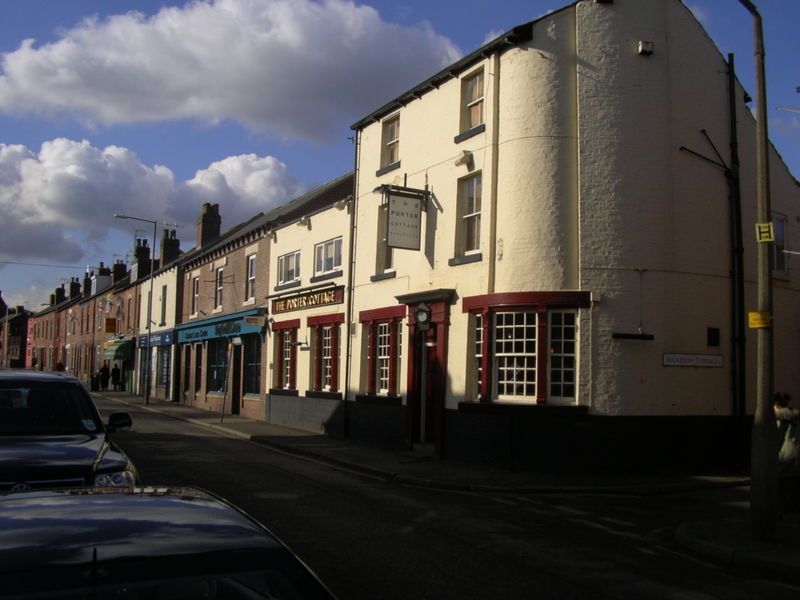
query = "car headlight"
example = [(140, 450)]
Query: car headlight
[(116, 479)]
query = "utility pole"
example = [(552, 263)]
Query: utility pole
[(764, 451)]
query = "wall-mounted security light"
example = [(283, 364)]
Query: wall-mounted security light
[(305, 221), (343, 203), (646, 48)]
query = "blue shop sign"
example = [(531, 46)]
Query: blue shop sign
[(162, 338), (238, 326)]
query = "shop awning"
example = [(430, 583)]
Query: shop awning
[(117, 349)]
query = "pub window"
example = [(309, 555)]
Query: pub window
[(325, 355), (390, 141), (328, 256), (472, 101), (384, 254), (289, 268), (285, 364), (384, 344)]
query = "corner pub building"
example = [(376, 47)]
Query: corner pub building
[(570, 296)]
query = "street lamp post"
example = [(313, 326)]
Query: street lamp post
[(149, 303), (764, 454)]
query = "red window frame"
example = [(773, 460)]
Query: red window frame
[(539, 302), (277, 377), (392, 315), (318, 323)]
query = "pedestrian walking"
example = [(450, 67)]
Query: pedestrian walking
[(105, 375), (788, 422), (115, 377)]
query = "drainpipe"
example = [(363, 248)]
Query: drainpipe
[(495, 149), (350, 269)]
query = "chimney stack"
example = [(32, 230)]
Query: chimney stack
[(118, 272), (61, 294), (208, 225), (74, 288), (87, 283), (170, 247), (52, 299)]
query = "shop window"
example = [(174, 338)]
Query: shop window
[(289, 268), (250, 281), (252, 364), (162, 366), (217, 368), (383, 331), (328, 256), (198, 366), (285, 364), (472, 101), (325, 355), (468, 234)]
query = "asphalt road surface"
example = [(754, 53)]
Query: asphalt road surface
[(368, 539)]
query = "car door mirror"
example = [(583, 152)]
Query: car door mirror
[(118, 421)]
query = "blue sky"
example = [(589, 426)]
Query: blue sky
[(242, 102)]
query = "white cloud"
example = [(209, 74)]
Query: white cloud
[(295, 68), (59, 201), (492, 34)]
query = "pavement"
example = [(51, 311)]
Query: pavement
[(724, 540)]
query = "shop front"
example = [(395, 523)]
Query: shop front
[(160, 363), (119, 353), (222, 363)]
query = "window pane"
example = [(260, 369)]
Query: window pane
[(562, 354), (515, 355)]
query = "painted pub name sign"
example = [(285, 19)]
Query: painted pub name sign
[(309, 300)]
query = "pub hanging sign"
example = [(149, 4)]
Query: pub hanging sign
[(404, 216)]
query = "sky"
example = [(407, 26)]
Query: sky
[(153, 107)]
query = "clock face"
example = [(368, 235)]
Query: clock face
[(422, 316)]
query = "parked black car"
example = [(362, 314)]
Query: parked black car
[(142, 543), (51, 435)]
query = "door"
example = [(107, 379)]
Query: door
[(187, 371), (236, 378)]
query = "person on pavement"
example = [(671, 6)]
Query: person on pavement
[(788, 422), (115, 377), (104, 377)]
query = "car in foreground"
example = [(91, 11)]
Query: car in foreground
[(51, 435), (142, 543)]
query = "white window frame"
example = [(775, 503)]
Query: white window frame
[(469, 220), (518, 360), (284, 271), (472, 101), (250, 278), (321, 256), (562, 358), (382, 356), (195, 295), (385, 253), (326, 357), (218, 287), (390, 140)]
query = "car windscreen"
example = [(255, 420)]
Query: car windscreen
[(45, 408)]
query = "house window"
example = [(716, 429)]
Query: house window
[(477, 358), (325, 357), (383, 336), (472, 101), (217, 369), (777, 255), (252, 364), (468, 237), (385, 255), (328, 256), (562, 353), (285, 369), (289, 268), (163, 305), (250, 283), (195, 295), (390, 141), (514, 355), (218, 286)]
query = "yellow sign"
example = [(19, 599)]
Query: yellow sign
[(758, 320), (765, 233)]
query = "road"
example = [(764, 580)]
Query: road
[(371, 539)]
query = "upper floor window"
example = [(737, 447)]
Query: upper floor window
[(328, 256), (390, 141), (195, 295), (385, 256), (289, 268), (218, 287), (468, 237), (250, 284), (163, 320), (778, 256), (472, 101)]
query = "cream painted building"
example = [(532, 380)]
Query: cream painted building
[(575, 254)]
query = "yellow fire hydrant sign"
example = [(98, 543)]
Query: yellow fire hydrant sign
[(758, 320), (765, 233)]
